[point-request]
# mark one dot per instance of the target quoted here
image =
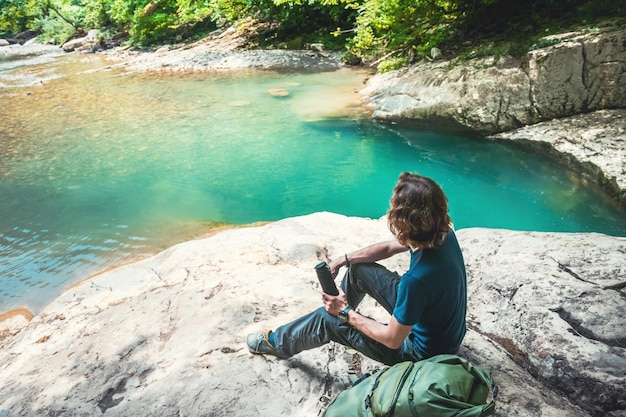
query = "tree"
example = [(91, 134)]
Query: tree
[(385, 33), (19, 15)]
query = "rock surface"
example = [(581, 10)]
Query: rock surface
[(226, 50), (29, 49), (165, 336), (582, 73)]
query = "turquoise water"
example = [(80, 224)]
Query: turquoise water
[(99, 168)]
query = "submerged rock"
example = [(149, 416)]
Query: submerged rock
[(278, 92), (165, 336), (593, 144)]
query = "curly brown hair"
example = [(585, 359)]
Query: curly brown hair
[(418, 216)]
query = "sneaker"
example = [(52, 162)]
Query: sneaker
[(259, 343)]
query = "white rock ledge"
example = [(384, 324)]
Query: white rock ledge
[(165, 336)]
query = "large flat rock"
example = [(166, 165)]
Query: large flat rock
[(165, 336)]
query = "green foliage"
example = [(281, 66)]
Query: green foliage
[(385, 33), (312, 20), (121, 12), (54, 29), (229, 11), (544, 43), (405, 26), (18, 15), (155, 21), (391, 64), (96, 13), (148, 29)]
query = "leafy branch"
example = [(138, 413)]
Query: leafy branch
[(49, 5)]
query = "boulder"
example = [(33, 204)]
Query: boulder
[(317, 47), (24, 36), (85, 43), (581, 73), (165, 336), (477, 97), (77, 43)]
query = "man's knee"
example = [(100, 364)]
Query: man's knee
[(365, 273), (356, 271)]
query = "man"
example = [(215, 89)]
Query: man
[(427, 304)]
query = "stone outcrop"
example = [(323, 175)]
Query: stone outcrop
[(581, 73), (202, 58), (165, 336), (21, 38)]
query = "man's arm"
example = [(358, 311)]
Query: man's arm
[(373, 253), (391, 335)]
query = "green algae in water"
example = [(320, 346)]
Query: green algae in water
[(101, 168)]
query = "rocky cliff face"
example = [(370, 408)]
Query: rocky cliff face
[(165, 336), (581, 73)]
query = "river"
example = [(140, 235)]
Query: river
[(100, 167)]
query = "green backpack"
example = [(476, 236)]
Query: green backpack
[(444, 385)]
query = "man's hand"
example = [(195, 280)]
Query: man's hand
[(391, 335), (335, 304)]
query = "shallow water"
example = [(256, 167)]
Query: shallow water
[(100, 167)]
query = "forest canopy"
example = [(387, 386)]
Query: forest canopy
[(387, 32)]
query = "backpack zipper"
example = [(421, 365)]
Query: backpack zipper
[(396, 394)]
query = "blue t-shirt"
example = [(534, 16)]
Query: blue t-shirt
[(432, 297)]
